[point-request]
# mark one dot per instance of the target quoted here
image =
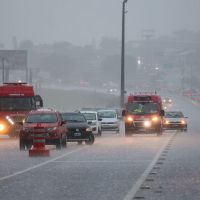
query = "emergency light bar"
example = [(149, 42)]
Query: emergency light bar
[(15, 83)]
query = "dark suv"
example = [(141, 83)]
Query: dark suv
[(50, 122), (78, 128)]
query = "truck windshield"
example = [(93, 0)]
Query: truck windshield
[(16, 103), (142, 108)]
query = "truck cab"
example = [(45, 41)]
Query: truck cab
[(143, 114), (16, 100)]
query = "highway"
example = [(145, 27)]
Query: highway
[(114, 168)]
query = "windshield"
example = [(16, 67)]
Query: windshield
[(174, 114), (42, 118), (90, 116), (73, 117), (16, 103), (107, 114), (142, 108)]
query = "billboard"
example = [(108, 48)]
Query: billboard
[(13, 59)]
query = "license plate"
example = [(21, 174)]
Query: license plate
[(77, 134)]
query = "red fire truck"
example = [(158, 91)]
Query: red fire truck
[(16, 100), (143, 113)]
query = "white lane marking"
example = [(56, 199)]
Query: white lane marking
[(41, 164), (101, 161), (131, 194)]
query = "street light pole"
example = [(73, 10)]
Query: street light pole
[(3, 68), (122, 55)]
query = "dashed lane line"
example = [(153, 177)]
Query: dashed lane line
[(136, 186), (41, 164)]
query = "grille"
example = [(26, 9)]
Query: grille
[(17, 118), (139, 124), (107, 123)]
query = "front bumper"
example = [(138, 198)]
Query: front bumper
[(139, 126), (109, 127), (48, 137), (175, 126), (79, 135)]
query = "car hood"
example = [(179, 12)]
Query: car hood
[(174, 119), (109, 120), (77, 125), (44, 125)]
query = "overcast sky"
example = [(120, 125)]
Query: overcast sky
[(81, 21)]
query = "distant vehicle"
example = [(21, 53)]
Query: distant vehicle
[(16, 100), (167, 101), (48, 122), (175, 120), (109, 121), (78, 128), (95, 122), (190, 92), (143, 113), (113, 90)]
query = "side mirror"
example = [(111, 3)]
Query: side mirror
[(162, 113), (100, 119), (89, 122), (123, 113), (38, 101), (63, 122)]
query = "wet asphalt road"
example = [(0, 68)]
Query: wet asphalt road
[(115, 167)]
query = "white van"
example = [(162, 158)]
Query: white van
[(95, 123), (109, 121)]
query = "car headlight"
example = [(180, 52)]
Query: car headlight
[(155, 119), (89, 129), (183, 121), (52, 129), (2, 127), (147, 124), (10, 120), (167, 122), (129, 119)]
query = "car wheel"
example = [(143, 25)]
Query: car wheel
[(90, 140), (99, 132), (22, 144), (28, 145), (128, 133), (80, 142), (59, 144), (64, 142), (159, 132)]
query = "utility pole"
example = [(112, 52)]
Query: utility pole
[(3, 59), (122, 92)]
